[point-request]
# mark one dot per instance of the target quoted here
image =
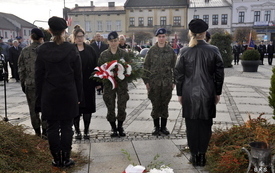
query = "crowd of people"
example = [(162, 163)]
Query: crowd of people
[(263, 49), (56, 78)]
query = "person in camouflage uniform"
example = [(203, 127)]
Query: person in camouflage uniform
[(26, 70), (121, 91), (159, 67)]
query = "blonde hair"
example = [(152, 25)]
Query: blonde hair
[(194, 38), (57, 36)]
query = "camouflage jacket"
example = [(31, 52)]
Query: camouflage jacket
[(26, 64), (159, 65)]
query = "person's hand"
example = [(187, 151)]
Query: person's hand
[(147, 87), (217, 99), (180, 99)]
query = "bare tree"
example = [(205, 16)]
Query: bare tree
[(242, 34)]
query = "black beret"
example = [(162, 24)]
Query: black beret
[(57, 23), (198, 26), (38, 32), (160, 31), (18, 37), (112, 35)]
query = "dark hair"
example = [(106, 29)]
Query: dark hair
[(35, 37), (77, 29), (207, 36)]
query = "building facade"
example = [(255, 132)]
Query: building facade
[(13, 26), (148, 16), (257, 15), (94, 19), (217, 13)]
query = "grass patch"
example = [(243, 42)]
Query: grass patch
[(24, 153)]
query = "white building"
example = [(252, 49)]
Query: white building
[(255, 14), (217, 13)]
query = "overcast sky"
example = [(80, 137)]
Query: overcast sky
[(33, 10)]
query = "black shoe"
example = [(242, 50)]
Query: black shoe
[(78, 136), (201, 160), (114, 133), (87, 136), (156, 131), (164, 130)]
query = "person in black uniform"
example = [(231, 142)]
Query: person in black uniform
[(262, 51), (270, 51), (99, 46), (199, 73), (89, 62), (236, 52), (14, 53), (58, 83)]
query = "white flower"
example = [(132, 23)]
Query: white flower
[(135, 169), (163, 169)]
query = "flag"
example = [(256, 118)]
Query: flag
[(251, 44), (69, 21), (175, 45)]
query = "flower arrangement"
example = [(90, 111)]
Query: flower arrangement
[(155, 166), (117, 71)]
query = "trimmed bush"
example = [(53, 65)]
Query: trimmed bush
[(251, 55)]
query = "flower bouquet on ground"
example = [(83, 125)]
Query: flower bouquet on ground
[(116, 71)]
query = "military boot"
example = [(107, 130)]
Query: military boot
[(156, 127), (201, 159), (78, 135), (87, 121), (114, 129), (120, 129), (163, 128), (57, 160), (67, 161), (37, 132)]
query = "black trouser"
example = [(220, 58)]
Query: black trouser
[(60, 135), (270, 58), (262, 57), (236, 58), (198, 134)]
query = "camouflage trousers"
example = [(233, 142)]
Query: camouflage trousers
[(35, 119), (160, 97), (109, 97)]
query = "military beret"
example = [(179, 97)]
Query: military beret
[(198, 26), (112, 35), (18, 37), (1, 38), (57, 23), (160, 31), (38, 32)]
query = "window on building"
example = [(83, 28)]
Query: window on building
[(99, 26), (109, 25), (215, 19), (267, 15), (150, 21), (196, 16), (118, 25), (6, 35), (257, 16), (25, 32), (140, 10), (150, 10), (205, 18), (132, 21), (176, 21), (140, 21), (241, 17), (1, 33), (162, 21), (88, 26), (131, 11), (224, 19)]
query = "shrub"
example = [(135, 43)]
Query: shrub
[(271, 97), (223, 42), (251, 55), (225, 152)]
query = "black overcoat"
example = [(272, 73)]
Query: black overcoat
[(199, 73), (89, 62), (58, 80)]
